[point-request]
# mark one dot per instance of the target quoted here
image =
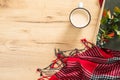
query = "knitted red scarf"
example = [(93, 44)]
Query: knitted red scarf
[(93, 64)]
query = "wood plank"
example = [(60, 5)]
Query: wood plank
[(30, 30)]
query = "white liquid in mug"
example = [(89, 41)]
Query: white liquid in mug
[(79, 18)]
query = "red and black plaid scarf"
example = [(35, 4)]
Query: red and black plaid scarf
[(93, 64)]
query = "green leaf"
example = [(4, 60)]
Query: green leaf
[(98, 37), (115, 14), (118, 32), (104, 20), (103, 31), (116, 20), (117, 9), (115, 27)]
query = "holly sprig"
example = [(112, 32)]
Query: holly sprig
[(110, 25)]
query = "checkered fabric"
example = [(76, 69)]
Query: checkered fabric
[(93, 64)]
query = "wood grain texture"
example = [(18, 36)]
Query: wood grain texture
[(31, 29)]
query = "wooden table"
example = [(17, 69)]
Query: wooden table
[(31, 29)]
